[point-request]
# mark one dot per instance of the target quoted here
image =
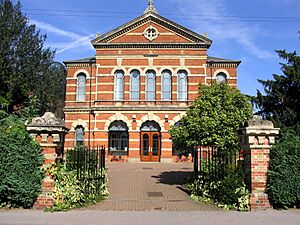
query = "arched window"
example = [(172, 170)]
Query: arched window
[(182, 85), (150, 85), (119, 85), (81, 87), (221, 77), (166, 85), (135, 85), (79, 135), (118, 138)]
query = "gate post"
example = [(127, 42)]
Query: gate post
[(256, 139), (50, 133)]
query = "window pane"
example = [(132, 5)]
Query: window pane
[(119, 85), (166, 84), (150, 85), (135, 85), (79, 133), (182, 86), (81, 87)]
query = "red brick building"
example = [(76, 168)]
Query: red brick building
[(141, 81)]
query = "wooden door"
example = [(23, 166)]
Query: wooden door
[(150, 146)]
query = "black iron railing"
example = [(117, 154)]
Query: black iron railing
[(89, 165)]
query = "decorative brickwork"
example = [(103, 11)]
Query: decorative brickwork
[(256, 139), (147, 43), (50, 133)]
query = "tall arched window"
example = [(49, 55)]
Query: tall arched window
[(79, 135), (119, 85), (81, 87), (182, 85), (135, 85), (150, 85), (166, 85)]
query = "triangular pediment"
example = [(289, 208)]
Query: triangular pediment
[(151, 28)]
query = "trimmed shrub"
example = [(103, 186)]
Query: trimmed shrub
[(284, 172), (20, 165)]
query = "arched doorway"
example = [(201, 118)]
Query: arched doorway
[(118, 138), (150, 142)]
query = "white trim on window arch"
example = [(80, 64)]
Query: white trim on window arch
[(221, 71), (182, 68), (113, 71), (81, 71), (149, 68), (166, 68)]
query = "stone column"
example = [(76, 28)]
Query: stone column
[(50, 133), (256, 139)]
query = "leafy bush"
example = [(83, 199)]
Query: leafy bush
[(228, 191), (69, 192), (284, 172), (20, 165)]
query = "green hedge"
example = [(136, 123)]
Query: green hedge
[(20, 165), (284, 172)]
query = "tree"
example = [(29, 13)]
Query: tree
[(26, 78), (213, 118), (281, 103)]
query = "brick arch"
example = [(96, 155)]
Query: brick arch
[(166, 68), (79, 122), (150, 116), (150, 68), (176, 119), (186, 69), (221, 71), (119, 68), (81, 71), (118, 116)]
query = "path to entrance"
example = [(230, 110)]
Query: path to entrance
[(148, 187)]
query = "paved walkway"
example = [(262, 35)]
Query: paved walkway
[(148, 187)]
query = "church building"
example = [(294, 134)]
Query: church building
[(144, 76)]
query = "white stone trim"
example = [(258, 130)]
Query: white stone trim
[(87, 74), (150, 116), (176, 118), (118, 116), (79, 122), (221, 71)]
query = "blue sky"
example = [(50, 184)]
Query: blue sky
[(248, 30)]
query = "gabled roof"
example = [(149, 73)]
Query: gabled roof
[(154, 17)]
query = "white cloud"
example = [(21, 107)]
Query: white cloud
[(215, 12), (75, 40)]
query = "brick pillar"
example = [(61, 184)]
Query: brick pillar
[(50, 133), (256, 139)]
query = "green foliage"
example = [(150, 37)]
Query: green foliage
[(213, 118), (284, 172), (69, 192), (281, 103), (20, 165), (228, 192), (25, 65)]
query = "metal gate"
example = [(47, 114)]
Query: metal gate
[(89, 165)]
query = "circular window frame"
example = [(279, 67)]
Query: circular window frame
[(149, 34)]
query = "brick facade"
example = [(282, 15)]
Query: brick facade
[(129, 48)]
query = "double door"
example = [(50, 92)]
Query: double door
[(150, 146)]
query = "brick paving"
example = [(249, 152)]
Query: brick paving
[(149, 187)]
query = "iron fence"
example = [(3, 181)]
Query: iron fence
[(89, 165), (214, 162)]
